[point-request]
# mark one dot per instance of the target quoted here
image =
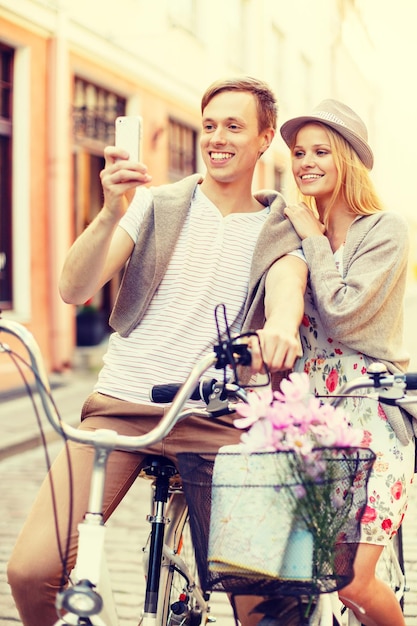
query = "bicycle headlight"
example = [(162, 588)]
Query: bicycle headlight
[(81, 600)]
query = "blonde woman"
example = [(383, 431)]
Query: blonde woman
[(357, 258)]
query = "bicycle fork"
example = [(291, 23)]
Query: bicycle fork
[(158, 522)]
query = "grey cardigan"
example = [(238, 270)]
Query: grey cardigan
[(363, 308)]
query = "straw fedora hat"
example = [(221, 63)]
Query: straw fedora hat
[(342, 119)]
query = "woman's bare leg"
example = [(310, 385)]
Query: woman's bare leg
[(371, 594)]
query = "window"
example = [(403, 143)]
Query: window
[(235, 18), (304, 80), (6, 94), (182, 149), (278, 59), (94, 112)]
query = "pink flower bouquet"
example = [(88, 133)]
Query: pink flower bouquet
[(293, 420)]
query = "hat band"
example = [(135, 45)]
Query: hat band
[(330, 117)]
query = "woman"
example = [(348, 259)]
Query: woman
[(357, 259)]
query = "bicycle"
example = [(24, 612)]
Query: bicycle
[(82, 603), (173, 593)]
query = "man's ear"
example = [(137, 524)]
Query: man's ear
[(268, 136)]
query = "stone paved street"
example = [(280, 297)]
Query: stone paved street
[(20, 476)]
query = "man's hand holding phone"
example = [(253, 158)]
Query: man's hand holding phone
[(123, 171)]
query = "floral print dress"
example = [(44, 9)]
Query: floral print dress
[(329, 364)]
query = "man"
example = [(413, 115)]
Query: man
[(190, 246)]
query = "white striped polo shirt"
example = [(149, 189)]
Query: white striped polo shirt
[(210, 265)]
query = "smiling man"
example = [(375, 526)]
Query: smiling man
[(190, 245)]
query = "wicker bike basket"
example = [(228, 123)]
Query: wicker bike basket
[(257, 528)]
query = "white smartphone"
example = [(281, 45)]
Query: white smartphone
[(128, 135)]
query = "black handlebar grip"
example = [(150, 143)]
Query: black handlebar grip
[(167, 392), (164, 393), (411, 380)]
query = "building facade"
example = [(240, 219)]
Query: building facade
[(70, 67)]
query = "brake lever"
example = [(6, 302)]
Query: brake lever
[(219, 400)]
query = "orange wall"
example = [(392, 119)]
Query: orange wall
[(15, 36), (38, 199)]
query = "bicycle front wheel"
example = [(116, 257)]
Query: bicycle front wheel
[(181, 600)]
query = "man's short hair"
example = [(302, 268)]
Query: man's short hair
[(266, 102)]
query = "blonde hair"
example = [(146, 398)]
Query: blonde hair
[(353, 184)]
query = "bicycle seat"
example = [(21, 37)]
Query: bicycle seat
[(158, 465)]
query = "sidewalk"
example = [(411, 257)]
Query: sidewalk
[(20, 430)]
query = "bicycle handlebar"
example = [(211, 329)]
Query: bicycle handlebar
[(411, 381), (214, 393), (390, 388), (163, 394)]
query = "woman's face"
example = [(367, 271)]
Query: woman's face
[(313, 165)]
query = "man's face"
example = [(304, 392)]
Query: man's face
[(230, 141)]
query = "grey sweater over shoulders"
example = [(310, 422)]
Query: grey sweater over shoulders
[(158, 236)]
